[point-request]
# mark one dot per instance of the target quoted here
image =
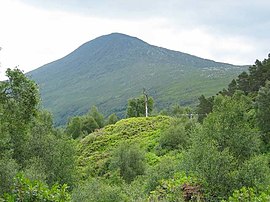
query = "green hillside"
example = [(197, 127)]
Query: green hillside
[(109, 70), (96, 148)]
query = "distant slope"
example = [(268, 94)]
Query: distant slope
[(110, 69)]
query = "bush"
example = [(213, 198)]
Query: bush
[(248, 194), (35, 191), (95, 190), (255, 173), (129, 159), (8, 170), (175, 137), (214, 168), (164, 170)]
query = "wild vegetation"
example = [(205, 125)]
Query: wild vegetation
[(169, 156)]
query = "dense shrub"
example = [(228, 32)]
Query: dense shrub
[(129, 159), (36, 191), (95, 190), (176, 136)]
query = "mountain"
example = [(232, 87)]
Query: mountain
[(110, 69)]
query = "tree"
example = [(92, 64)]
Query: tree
[(35, 191), (112, 119), (52, 149), (74, 127), (231, 125), (204, 107), (223, 148), (19, 99), (136, 106), (89, 124), (263, 111), (251, 81), (97, 116)]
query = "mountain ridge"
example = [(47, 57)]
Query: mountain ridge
[(110, 69)]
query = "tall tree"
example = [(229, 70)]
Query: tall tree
[(204, 107), (263, 112), (97, 116), (136, 106), (19, 99)]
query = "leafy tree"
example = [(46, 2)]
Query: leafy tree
[(8, 170), (204, 107), (163, 170), (231, 125), (112, 119), (214, 168), (129, 159), (255, 172), (88, 125), (136, 106), (97, 116), (222, 150), (81, 126), (248, 194), (50, 148), (35, 191), (19, 99), (263, 111), (74, 127), (251, 82)]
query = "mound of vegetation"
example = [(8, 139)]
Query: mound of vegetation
[(96, 148)]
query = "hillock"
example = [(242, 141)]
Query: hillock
[(96, 148)]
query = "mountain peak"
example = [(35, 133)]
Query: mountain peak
[(118, 39), (110, 69)]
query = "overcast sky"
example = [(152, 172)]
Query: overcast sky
[(36, 32)]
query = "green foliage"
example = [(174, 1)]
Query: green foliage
[(80, 126), (112, 119), (171, 190), (176, 136), (165, 169), (222, 151), (248, 194), (97, 116), (231, 126), (204, 107), (263, 112), (136, 106), (214, 168), (74, 127), (52, 149), (8, 170), (96, 148), (255, 173), (35, 169), (95, 190), (19, 98), (35, 191), (88, 125), (251, 82), (129, 159)]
